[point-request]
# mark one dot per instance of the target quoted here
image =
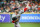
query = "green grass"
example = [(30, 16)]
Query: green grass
[(22, 24)]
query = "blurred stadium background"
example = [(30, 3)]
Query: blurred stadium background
[(30, 18)]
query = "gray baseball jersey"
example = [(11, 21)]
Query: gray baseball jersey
[(19, 14)]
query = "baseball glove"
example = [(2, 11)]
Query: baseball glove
[(14, 20)]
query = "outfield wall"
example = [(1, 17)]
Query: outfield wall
[(4, 18), (23, 18), (30, 18)]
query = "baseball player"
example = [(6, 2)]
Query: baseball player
[(16, 16)]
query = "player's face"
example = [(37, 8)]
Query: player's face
[(16, 11)]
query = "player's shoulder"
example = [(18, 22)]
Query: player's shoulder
[(13, 15)]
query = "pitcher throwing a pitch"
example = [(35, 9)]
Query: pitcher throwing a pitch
[(16, 16)]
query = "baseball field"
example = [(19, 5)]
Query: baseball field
[(21, 24)]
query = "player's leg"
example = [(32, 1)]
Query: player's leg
[(17, 24)]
